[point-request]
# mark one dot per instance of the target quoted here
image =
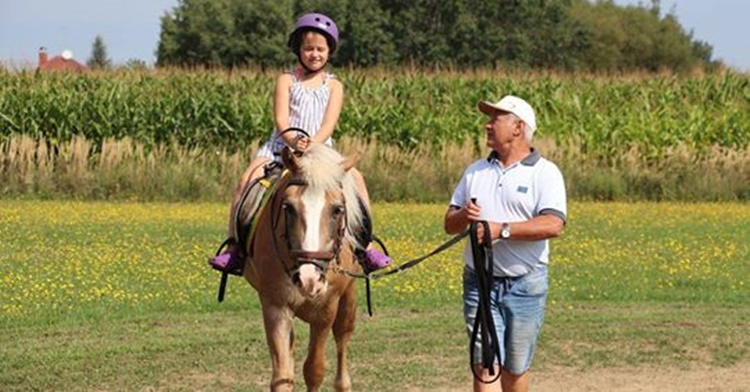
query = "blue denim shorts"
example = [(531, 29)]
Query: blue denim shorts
[(517, 306)]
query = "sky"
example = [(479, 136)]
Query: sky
[(130, 28)]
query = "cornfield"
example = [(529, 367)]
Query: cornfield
[(603, 115)]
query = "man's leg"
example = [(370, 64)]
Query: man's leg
[(480, 386), (525, 303), (515, 383)]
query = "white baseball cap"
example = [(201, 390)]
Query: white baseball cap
[(511, 104)]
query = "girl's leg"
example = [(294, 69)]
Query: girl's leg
[(230, 259), (253, 172), (359, 180), (375, 258)]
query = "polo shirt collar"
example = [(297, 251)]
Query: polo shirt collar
[(529, 160)]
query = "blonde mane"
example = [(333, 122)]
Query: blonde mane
[(320, 166)]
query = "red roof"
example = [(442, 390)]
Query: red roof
[(59, 63)]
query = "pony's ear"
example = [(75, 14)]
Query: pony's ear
[(349, 162), (290, 159)]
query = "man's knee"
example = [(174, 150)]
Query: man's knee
[(514, 382)]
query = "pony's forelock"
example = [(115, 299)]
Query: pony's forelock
[(321, 167)]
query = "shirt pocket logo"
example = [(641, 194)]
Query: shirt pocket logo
[(522, 189)]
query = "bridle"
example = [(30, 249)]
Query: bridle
[(320, 259)]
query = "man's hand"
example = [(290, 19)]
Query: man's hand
[(456, 219), (472, 210), (494, 231)]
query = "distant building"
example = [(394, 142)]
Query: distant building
[(64, 62)]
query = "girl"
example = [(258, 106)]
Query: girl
[(308, 98)]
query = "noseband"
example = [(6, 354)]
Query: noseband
[(300, 257)]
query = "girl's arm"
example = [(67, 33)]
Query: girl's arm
[(281, 106), (331, 117)]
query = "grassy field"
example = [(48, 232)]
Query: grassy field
[(117, 296)]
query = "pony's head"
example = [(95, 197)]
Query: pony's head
[(319, 214)]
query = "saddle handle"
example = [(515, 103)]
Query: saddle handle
[(301, 133)]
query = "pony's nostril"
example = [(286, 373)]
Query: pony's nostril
[(296, 279)]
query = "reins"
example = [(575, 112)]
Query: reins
[(408, 264), (401, 268), (484, 325)]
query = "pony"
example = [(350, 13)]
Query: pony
[(304, 241)]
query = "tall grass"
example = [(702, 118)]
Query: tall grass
[(119, 169), (128, 170)]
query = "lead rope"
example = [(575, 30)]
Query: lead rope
[(484, 325)]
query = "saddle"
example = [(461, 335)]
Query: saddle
[(253, 201)]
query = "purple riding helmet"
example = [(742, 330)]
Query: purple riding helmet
[(315, 22)]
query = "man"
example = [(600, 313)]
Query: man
[(522, 197)]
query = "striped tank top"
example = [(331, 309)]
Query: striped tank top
[(307, 106)]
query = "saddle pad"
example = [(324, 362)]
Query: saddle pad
[(252, 203)]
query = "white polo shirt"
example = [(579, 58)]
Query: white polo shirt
[(529, 188)]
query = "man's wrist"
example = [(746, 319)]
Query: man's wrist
[(505, 231)]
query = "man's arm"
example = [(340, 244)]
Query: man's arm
[(538, 228)]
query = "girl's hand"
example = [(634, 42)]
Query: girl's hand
[(303, 143), (300, 143)]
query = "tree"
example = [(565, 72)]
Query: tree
[(226, 33), (261, 32), (588, 35), (99, 59), (365, 36)]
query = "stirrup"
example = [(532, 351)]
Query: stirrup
[(230, 261), (362, 256), (375, 259), (225, 272)]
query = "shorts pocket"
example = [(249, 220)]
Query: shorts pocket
[(533, 284)]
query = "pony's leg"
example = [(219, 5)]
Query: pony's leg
[(315, 366), (279, 336), (343, 328)]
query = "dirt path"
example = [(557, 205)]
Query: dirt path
[(732, 379)]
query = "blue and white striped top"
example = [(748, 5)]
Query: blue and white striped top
[(307, 107)]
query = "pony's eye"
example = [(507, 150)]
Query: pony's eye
[(288, 207), (337, 210)]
